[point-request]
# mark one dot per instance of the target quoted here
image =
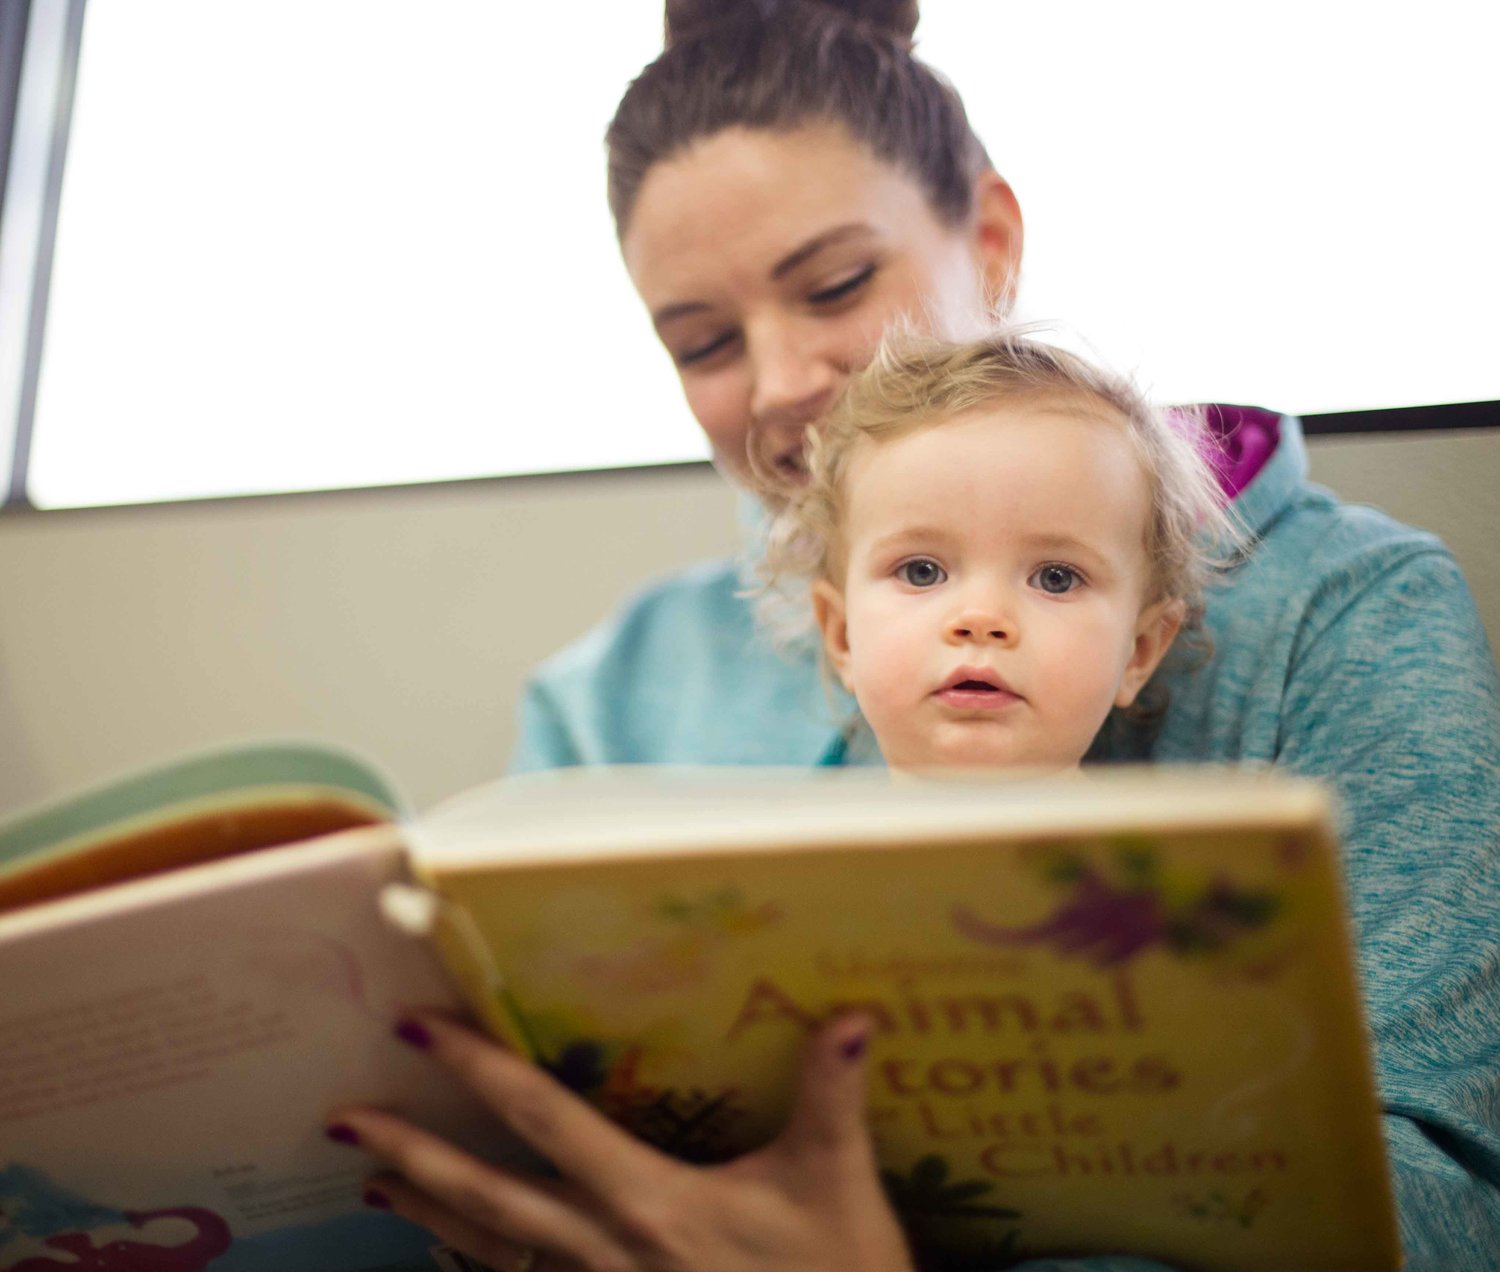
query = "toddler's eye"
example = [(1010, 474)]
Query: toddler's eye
[(1055, 579), (921, 572)]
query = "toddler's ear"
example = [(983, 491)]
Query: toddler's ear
[(1155, 631), (828, 610)]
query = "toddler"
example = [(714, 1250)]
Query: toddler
[(1002, 543)]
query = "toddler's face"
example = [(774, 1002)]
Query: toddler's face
[(994, 600)]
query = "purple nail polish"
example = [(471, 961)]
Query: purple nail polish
[(854, 1048), (374, 1197), (409, 1031), (341, 1134)]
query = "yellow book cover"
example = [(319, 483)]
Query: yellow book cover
[(1113, 1013)]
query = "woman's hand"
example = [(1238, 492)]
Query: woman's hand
[(808, 1202)]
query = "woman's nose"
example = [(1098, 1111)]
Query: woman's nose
[(793, 382)]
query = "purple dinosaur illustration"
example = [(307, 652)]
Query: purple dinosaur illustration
[(1104, 924), (1107, 924)]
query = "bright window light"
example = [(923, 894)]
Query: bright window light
[(1286, 203), (340, 244), (308, 246)]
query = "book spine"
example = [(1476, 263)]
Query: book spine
[(471, 963)]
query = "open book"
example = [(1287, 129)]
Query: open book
[(1113, 1012)]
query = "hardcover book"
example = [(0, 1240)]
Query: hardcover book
[(1113, 1012)]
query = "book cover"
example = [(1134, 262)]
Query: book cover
[(201, 807), (1110, 1015)]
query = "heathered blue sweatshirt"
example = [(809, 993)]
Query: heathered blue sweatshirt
[(1346, 647)]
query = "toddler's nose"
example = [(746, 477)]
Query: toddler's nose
[(973, 625)]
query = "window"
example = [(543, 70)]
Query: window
[(304, 246)]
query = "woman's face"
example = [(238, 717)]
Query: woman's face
[(772, 262)]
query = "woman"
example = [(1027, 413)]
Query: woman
[(787, 181)]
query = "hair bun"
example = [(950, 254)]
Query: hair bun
[(897, 17)]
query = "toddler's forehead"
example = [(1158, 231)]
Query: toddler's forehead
[(1060, 402), (1064, 467), (1039, 405)]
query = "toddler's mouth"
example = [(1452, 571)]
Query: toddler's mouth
[(976, 688)]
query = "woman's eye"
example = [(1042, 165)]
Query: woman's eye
[(701, 352), (1056, 579), (843, 288), (921, 573)]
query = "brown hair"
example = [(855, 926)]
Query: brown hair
[(782, 64)]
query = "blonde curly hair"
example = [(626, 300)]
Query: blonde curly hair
[(921, 383)]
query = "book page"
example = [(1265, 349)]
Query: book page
[(650, 811), (168, 1055)]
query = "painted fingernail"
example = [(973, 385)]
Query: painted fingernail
[(853, 1048), (374, 1197), (341, 1134), (409, 1031)]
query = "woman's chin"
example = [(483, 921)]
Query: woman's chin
[(773, 487)]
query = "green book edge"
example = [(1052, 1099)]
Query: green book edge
[(196, 777)]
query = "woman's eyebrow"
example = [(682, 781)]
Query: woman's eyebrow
[(681, 310), (816, 244)]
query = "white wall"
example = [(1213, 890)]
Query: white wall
[(398, 622), (401, 622)]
